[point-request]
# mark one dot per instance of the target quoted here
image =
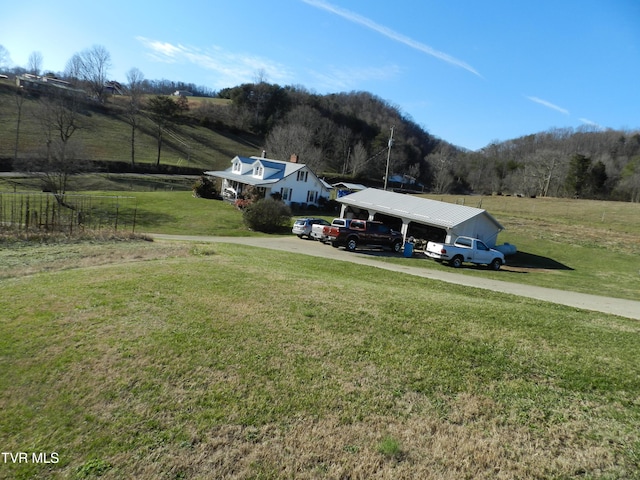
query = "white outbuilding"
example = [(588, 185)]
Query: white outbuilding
[(422, 218)]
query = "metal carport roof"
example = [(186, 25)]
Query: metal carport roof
[(417, 209)]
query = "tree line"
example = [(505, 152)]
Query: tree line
[(92, 66), (348, 135), (581, 163)]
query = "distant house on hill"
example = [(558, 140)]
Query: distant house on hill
[(114, 88), (294, 182), (36, 83), (182, 93), (345, 188)]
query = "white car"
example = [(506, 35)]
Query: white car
[(302, 226)]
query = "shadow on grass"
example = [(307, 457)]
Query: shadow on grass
[(522, 260), (147, 218), (530, 260)]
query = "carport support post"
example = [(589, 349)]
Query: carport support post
[(404, 230)]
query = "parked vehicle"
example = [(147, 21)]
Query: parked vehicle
[(465, 249), (321, 232), (365, 233), (302, 226)]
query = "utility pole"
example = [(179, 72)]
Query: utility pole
[(386, 176)]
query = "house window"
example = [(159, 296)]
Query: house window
[(312, 196), (303, 175), (237, 167), (286, 193), (258, 171)]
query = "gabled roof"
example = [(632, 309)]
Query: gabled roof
[(280, 166), (244, 159), (326, 184), (421, 210), (281, 169), (350, 186)]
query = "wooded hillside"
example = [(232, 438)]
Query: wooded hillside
[(583, 163), (342, 135)]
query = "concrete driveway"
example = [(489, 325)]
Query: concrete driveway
[(614, 306)]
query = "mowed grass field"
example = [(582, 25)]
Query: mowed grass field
[(137, 359), (104, 135), (578, 245), (584, 246)]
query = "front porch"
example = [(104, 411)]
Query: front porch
[(232, 190)]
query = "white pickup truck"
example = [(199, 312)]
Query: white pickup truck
[(320, 232), (465, 249)]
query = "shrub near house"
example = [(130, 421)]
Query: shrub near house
[(267, 215)]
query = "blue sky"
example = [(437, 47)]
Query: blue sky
[(469, 72)]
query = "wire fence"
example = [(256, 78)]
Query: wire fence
[(68, 213)]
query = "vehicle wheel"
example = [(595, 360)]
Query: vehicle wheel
[(456, 262), (495, 264), (397, 246), (300, 236), (334, 245), (352, 243)]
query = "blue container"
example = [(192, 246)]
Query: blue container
[(408, 249)]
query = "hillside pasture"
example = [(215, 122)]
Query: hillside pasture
[(104, 135), (151, 360)]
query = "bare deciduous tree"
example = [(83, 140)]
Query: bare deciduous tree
[(5, 59), (34, 64), (20, 98), (163, 112), (358, 159), (91, 66), (343, 140), (58, 114), (442, 166), (133, 109), (286, 140)]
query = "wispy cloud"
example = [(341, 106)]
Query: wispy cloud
[(231, 68), (162, 51), (586, 121), (334, 78), (393, 35), (550, 105)]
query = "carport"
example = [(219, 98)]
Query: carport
[(421, 218)]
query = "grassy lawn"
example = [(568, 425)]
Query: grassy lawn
[(189, 215), (573, 255), (578, 245), (170, 360)]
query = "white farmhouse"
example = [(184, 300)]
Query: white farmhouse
[(293, 181)]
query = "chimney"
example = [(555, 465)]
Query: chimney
[(294, 158), (264, 154)]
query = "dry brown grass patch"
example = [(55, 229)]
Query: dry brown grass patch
[(430, 448)]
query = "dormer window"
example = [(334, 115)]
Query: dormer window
[(258, 171), (237, 167)]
